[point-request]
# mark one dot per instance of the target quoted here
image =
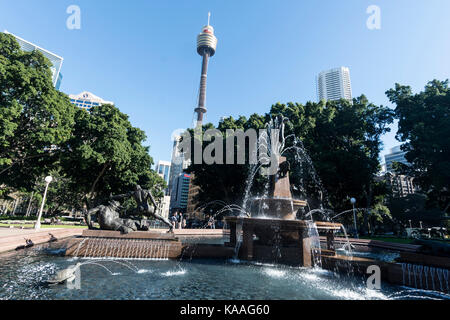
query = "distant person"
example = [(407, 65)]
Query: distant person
[(211, 223), (180, 221), (174, 219)]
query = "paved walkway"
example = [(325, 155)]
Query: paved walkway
[(12, 238)]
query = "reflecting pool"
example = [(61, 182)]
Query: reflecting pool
[(23, 275)]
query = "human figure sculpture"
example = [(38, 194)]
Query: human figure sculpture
[(284, 169), (108, 218), (142, 198)]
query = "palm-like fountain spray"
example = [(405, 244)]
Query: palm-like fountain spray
[(276, 225)]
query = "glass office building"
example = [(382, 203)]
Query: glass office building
[(395, 155), (180, 193), (163, 170), (55, 60)]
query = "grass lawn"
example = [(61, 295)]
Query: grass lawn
[(388, 239), (402, 240), (43, 226)]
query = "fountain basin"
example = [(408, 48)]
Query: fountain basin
[(272, 239)]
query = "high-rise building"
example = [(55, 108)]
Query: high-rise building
[(55, 60), (163, 170), (87, 100), (164, 206), (192, 199), (334, 84), (178, 164), (395, 155), (180, 192)]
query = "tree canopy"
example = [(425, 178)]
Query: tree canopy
[(424, 127), (90, 154), (35, 118), (343, 140)]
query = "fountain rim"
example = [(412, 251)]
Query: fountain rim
[(321, 225)]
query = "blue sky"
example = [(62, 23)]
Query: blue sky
[(141, 54)]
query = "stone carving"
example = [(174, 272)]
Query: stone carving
[(65, 275)]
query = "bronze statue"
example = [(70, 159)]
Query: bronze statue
[(108, 218), (284, 169), (142, 197)]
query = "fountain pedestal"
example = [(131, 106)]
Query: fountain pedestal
[(276, 235), (274, 240)]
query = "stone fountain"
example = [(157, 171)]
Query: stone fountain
[(278, 235)]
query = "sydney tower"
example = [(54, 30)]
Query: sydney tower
[(206, 47)]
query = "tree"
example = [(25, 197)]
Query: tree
[(35, 118), (413, 207), (424, 128), (343, 140), (105, 155)]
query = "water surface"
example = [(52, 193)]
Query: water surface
[(23, 275)]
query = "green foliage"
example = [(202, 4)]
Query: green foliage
[(343, 140), (105, 154), (90, 155), (35, 119), (413, 207), (424, 127)]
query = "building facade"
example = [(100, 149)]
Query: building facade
[(400, 185), (180, 192), (192, 210), (164, 207), (334, 84), (55, 60), (178, 164), (163, 170), (87, 100), (395, 155)]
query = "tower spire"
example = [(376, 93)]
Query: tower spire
[(209, 17)]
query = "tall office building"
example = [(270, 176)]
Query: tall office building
[(395, 155), (87, 100), (163, 170), (192, 203), (178, 164), (180, 192), (55, 60), (334, 84)]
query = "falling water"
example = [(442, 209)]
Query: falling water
[(238, 240), (314, 237), (132, 249), (415, 279)]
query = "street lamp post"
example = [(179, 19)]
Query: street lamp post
[(48, 180), (353, 201)]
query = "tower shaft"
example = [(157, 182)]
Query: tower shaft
[(201, 109)]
